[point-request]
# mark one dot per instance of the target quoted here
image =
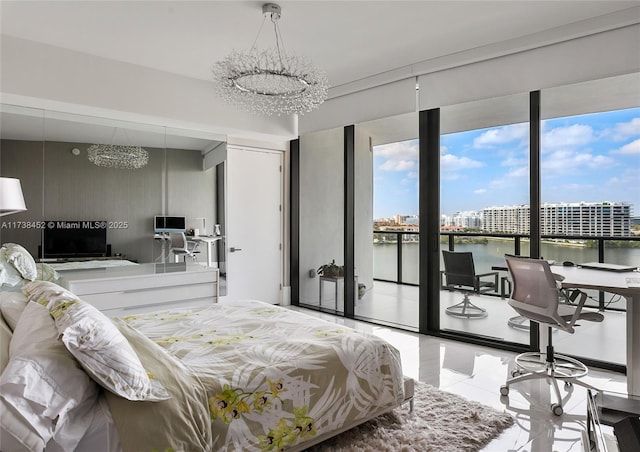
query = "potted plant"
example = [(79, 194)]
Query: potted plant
[(331, 270)]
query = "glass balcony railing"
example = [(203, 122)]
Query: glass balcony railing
[(396, 253)]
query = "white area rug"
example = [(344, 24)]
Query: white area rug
[(440, 421)]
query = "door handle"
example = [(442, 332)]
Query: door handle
[(233, 250)]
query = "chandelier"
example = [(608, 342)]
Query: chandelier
[(269, 81), (116, 156)]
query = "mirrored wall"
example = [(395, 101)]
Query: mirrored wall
[(79, 210)]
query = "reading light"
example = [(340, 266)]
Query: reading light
[(11, 199)]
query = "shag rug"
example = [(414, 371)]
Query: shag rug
[(440, 421)]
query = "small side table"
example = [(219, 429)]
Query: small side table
[(337, 282)]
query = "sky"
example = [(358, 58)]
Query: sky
[(591, 158)]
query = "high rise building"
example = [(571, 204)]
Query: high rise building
[(611, 219)]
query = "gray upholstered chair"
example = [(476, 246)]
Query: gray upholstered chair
[(536, 295), (460, 275), (181, 247)]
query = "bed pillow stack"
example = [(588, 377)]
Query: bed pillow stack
[(45, 393), (93, 339)]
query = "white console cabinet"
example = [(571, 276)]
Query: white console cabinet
[(144, 287)]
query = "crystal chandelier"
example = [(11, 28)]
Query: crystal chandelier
[(269, 81), (116, 156)]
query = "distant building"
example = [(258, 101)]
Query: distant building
[(508, 219), (584, 219)]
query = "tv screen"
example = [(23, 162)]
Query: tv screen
[(169, 224), (67, 239)]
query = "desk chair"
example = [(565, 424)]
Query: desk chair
[(460, 275), (536, 295), (180, 246)]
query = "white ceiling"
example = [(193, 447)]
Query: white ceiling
[(351, 40)]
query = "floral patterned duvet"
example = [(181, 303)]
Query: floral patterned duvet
[(252, 376)]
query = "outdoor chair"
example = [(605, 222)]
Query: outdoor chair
[(460, 275)]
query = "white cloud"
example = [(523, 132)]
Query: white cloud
[(403, 150), (450, 162), (480, 191), (398, 165), (512, 160), (401, 156), (502, 135), (443, 149), (624, 130), (571, 162), (629, 148), (573, 136)]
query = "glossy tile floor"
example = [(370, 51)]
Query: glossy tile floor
[(397, 304), (477, 373)]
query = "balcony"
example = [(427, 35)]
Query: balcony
[(393, 299)]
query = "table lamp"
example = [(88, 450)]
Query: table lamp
[(11, 199)]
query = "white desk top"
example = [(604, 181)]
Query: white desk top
[(608, 281)]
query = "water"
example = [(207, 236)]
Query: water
[(491, 254)]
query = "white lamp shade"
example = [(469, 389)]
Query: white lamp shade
[(11, 199)]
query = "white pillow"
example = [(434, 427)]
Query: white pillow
[(21, 259), (11, 306), (45, 292), (43, 382), (5, 340), (96, 343), (46, 272), (9, 276)]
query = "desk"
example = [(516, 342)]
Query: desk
[(209, 241), (613, 282)]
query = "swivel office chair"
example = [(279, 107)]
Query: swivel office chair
[(181, 247), (460, 275), (536, 295)]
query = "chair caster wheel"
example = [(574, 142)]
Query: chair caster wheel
[(557, 410), (515, 373), (504, 390)]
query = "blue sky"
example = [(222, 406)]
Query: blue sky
[(592, 158)]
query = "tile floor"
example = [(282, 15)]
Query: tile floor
[(397, 304), (477, 372)]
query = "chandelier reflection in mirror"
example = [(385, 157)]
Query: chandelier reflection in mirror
[(269, 81), (116, 156)]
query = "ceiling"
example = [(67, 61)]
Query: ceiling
[(350, 40)]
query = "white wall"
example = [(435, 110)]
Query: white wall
[(321, 206), (52, 78)]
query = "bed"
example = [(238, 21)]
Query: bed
[(242, 375)]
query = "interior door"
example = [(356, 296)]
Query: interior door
[(254, 225)]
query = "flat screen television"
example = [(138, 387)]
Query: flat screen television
[(69, 239), (169, 224)]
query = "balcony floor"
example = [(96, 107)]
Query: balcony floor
[(397, 305)]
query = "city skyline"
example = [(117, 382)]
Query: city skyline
[(590, 158)]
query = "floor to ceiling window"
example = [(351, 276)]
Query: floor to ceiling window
[(484, 197), (590, 193), (386, 221)]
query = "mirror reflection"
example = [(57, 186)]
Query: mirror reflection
[(112, 191)]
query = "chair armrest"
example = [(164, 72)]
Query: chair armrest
[(581, 302), (482, 275)]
